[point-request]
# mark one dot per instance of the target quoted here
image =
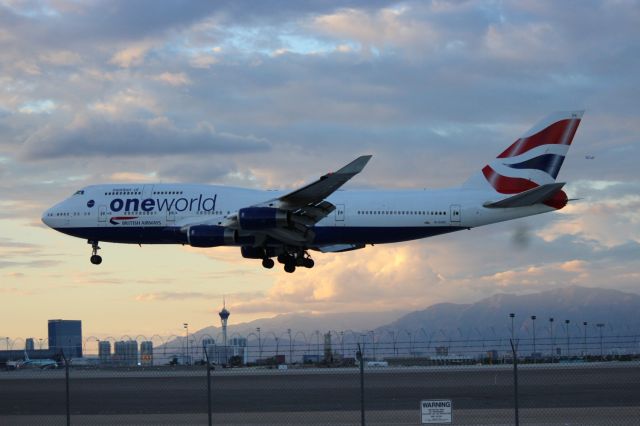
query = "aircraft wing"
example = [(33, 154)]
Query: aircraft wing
[(305, 206), (317, 191), (308, 205)]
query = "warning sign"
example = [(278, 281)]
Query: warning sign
[(436, 411)]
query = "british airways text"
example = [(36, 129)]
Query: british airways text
[(164, 204)]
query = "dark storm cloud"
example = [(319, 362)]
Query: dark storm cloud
[(202, 170), (90, 22), (98, 137), (82, 23)]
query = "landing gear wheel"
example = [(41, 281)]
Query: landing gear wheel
[(95, 259), (290, 267), (308, 263), (267, 263)]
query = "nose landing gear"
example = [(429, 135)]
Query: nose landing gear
[(95, 258)]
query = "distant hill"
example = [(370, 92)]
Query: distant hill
[(306, 323), (490, 317), (463, 327)]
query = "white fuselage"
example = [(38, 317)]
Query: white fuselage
[(156, 213)]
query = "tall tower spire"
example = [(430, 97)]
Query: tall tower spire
[(224, 316)]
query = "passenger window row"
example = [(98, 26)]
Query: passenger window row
[(401, 212)]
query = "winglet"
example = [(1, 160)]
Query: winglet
[(356, 166)]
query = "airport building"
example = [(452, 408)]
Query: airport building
[(238, 347), (104, 351), (29, 346), (18, 355), (126, 353), (146, 353), (66, 336)]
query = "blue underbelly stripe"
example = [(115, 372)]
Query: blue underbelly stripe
[(324, 235)]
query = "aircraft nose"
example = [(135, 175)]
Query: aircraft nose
[(46, 217)]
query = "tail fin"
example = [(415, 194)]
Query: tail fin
[(532, 160)]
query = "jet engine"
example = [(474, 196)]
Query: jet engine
[(211, 236), (259, 218)]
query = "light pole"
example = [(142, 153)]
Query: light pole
[(512, 316), (568, 342), (318, 344), (373, 343), (259, 343), (481, 338), (290, 347), (551, 334), (533, 319), (584, 351), (342, 343), (600, 326), (186, 327), (410, 343), (393, 340)]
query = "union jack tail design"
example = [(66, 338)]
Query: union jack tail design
[(532, 160)]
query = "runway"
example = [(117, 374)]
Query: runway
[(258, 393)]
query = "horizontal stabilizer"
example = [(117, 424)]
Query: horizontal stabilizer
[(533, 196)]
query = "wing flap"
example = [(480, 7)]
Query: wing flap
[(339, 248)]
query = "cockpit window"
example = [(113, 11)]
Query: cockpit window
[(80, 192)]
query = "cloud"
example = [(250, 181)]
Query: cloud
[(171, 296), (30, 264), (379, 278), (378, 30), (96, 137), (132, 55), (61, 58), (38, 107), (173, 79), (608, 214), (206, 58), (273, 94), (131, 177)]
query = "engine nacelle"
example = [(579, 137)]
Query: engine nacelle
[(258, 218), (250, 252), (211, 236)]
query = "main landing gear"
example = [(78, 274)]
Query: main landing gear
[(290, 260), (293, 260), (95, 258)]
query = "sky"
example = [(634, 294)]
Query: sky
[(271, 94)]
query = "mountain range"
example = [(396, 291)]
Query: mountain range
[(616, 311)]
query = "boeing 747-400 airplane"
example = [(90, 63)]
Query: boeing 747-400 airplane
[(519, 182)]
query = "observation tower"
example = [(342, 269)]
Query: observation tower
[(224, 316)]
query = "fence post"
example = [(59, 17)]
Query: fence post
[(360, 357), (206, 354), (514, 351), (66, 380)]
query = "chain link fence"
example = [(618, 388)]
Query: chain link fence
[(334, 378)]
